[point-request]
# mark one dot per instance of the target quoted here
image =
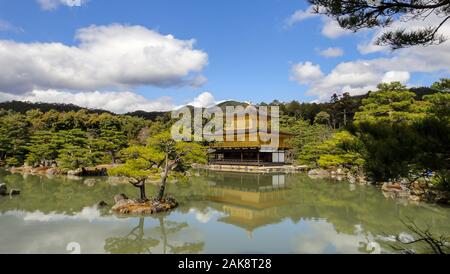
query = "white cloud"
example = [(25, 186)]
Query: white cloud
[(106, 57), (199, 81), (360, 76), (205, 217), (396, 76), (305, 73), (298, 16), (204, 100), (117, 102), (8, 27), (330, 28), (54, 4), (324, 238), (331, 52)]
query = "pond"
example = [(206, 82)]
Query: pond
[(218, 213)]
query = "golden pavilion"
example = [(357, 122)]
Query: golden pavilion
[(249, 140)]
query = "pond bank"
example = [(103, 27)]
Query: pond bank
[(252, 169), (101, 170), (418, 191)]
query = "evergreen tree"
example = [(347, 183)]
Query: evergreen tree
[(44, 148), (111, 142), (14, 134), (442, 85), (404, 137), (75, 152), (161, 155)]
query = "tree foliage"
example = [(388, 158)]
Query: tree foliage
[(362, 14), (442, 85), (341, 150), (66, 139), (160, 155), (404, 137), (322, 118)]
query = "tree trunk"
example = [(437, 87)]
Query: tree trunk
[(163, 234), (141, 185), (345, 117), (142, 190), (113, 157), (162, 186)]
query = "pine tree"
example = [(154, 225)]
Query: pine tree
[(161, 155)]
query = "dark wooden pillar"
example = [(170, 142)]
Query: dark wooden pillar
[(258, 156), (242, 156)]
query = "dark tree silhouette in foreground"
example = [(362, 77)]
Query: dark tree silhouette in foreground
[(361, 14), (424, 241)]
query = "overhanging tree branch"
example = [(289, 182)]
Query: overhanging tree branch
[(359, 14)]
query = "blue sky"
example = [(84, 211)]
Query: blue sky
[(253, 50)]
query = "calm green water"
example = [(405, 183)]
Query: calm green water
[(218, 213)]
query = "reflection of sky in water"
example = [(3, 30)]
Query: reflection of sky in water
[(218, 213), (36, 232)]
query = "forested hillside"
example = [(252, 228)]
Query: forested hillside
[(390, 133)]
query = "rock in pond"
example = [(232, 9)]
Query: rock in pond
[(319, 173), (85, 172), (414, 198), (14, 192), (120, 197), (396, 191), (3, 189), (102, 204), (132, 207), (53, 171), (395, 187)]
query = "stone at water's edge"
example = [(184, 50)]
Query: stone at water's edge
[(417, 191), (102, 204), (395, 187), (319, 173), (53, 171), (4, 191), (85, 172), (132, 207), (14, 192)]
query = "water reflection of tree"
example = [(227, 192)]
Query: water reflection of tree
[(136, 242), (168, 228), (306, 200), (133, 243), (57, 194)]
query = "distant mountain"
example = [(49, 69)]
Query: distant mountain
[(232, 104), (22, 107), (148, 115)]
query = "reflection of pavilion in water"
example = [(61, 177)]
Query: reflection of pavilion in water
[(249, 200)]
